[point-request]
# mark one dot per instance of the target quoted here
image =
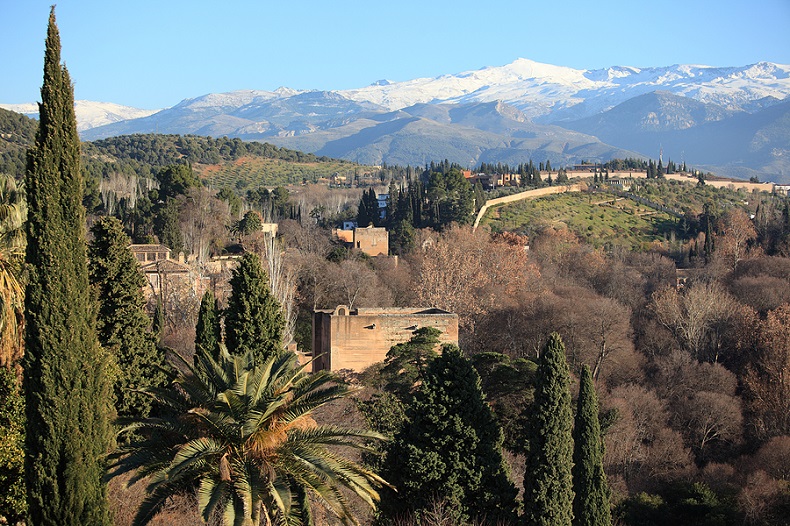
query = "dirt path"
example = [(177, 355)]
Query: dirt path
[(529, 194)]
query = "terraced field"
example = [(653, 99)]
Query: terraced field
[(253, 172)]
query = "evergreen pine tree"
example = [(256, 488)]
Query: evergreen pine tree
[(122, 324), (548, 492), (368, 212), (253, 318), (166, 226), (158, 323), (392, 206), (480, 196), (591, 493), (415, 191), (68, 394), (450, 450), (208, 332), (709, 246), (363, 214)]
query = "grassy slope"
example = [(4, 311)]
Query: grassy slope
[(603, 219), (593, 217)]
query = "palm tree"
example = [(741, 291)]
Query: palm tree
[(242, 433), (13, 213)]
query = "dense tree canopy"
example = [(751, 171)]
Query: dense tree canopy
[(253, 319), (122, 324), (450, 450)]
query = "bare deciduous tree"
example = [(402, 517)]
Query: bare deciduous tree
[(693, 314), (204, 220), (282, 282), (736, 232), (640, 447), (767, 379), (467, 272)]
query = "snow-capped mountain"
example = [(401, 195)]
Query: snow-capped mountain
[(509, 113), (553, 93), (89, 114)]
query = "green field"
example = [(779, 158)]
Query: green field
[(603, 219), (599, 219)]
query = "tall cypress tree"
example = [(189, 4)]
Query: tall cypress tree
[(122, 323), (451, 448), (208, 332), (548, 492), (591, 500), (253, 318), (68, 395)]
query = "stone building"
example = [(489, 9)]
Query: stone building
[(147, 253), (165, 274), (373, 241), (354, 339)]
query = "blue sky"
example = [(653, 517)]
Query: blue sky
[(153, 54)]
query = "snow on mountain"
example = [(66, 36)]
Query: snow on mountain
[(519, 80), (543, 92), (90, 114), (233, 99), (554, 93), (28, 108)]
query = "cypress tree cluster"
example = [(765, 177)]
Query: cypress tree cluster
[(122, 323), (548, 491), (68, 395)]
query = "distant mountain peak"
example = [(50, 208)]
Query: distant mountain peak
[(283, 91)]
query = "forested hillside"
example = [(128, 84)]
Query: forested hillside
[(220, 162), (16, 136)]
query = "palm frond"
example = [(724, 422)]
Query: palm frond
[(211, 494), (195, 452)]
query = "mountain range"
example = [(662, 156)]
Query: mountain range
[(90, 114), (734, 121)]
